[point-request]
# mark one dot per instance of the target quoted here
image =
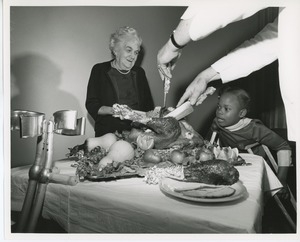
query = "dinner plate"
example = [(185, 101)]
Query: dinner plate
[(168, 185)]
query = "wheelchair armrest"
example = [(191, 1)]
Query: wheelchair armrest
[(247, 147)]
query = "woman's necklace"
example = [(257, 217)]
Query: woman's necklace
[(115, 66)]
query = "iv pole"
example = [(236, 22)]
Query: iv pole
[(33, 124)]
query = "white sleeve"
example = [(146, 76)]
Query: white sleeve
[(208, 17), (250, 56), (289, 63)]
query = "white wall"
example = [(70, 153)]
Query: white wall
[(54, 48)]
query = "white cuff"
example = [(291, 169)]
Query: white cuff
[(284, 157)]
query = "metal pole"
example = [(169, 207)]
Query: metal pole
[(34, 174), (36, 208), (33, 124), (43, 181)]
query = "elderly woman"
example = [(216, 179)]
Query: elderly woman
[(118, 81)]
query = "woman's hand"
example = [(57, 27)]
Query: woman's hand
[(198, 86), (105, 110)]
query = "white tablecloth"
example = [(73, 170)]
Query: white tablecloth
[(132, 206)]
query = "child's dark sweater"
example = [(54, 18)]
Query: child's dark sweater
[(255, 131)]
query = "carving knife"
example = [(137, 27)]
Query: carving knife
[(167, 82)]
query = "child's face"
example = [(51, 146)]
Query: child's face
[(229, 110)]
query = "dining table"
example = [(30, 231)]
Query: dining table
[(133, 206)]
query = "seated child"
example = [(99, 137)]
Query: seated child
[(234, 129)]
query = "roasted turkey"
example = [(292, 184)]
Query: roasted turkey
[(165, 131), (169, 132), (216, 172)]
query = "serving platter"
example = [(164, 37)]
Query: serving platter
[(169, 186), (122, 174), (112, 177)]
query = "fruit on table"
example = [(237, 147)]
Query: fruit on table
[(152, 156), (188, 160), (145, 142), (105, 161), (226, 153), (177, 156), (104, 141), (205, 154), (120, 151), (134, 133)]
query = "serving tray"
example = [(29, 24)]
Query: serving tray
[(116, 176)]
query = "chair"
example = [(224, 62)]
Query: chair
[(248, 148)]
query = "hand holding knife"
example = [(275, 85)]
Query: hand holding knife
[(185, 108)]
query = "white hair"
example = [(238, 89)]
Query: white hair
[(118, 36)]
